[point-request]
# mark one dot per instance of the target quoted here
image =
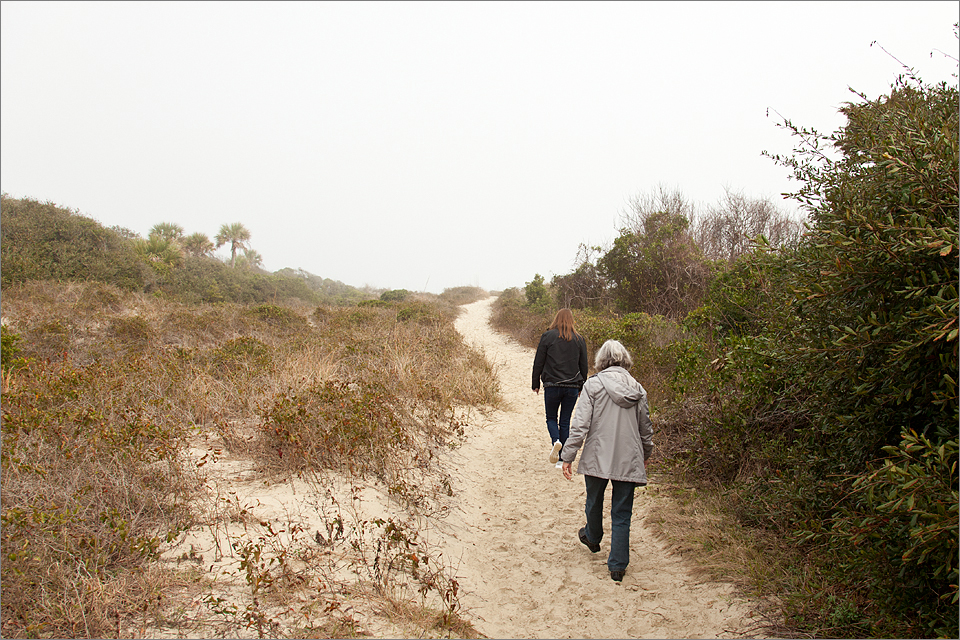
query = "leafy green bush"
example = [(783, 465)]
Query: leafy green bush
[(842, 351), (419, 312), (204, 279), (9, 351), (743, 388), (536, 291), (329, 292), (657, 268), (902, 530), (244, 352), (582, 288), (878, 281), (42, 241), (395, 295), (279, 317)]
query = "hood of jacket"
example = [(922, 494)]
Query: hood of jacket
[(620, 386)]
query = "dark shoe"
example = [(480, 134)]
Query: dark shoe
[(617, 576), (593, 546)]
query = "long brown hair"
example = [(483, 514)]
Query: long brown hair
[(563, 322)]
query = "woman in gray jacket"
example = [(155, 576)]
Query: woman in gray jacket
[(612, 424)]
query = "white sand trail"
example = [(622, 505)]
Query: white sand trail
[(522, 570)]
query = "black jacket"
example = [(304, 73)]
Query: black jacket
[(560, 363)]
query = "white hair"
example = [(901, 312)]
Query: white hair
[(612, 354)]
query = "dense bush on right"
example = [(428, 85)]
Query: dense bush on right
[(840, 381)]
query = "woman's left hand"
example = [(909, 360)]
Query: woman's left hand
[(568, 471)]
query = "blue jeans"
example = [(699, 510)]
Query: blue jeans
[(621, 511), (559, 400)]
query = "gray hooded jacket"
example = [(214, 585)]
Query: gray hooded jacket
[(612, 424)]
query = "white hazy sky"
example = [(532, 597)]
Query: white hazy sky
[(429, 145)]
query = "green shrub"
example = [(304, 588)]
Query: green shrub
[(536, 292), (241, 353), (329, 292), (649, 339), (395, 295), (655, 267), (368, 314), (419, 312), (42, 241), (900, 532), (204, 279), (9, 349), (279, 317), (583, 288), (835, 370)]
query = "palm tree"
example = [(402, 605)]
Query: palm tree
[(250, 259), (237, 236), (198, 244), (161, 253), (169, 231)]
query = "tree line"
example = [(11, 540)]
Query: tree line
[(166, 244), (669, 249), (43, 241)]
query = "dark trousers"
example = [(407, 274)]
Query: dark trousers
[(559, 403), (621, 511)]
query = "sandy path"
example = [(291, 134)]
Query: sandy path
[(523, 572)]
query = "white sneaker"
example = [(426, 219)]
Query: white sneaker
[(559, 465), (555, 454)]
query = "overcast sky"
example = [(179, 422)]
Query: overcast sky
[(429, 145)]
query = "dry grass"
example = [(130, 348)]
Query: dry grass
[(699, 525), (522, 322), (109, 388), (91, 485)]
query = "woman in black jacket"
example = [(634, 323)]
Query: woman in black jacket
[(561, 363)]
